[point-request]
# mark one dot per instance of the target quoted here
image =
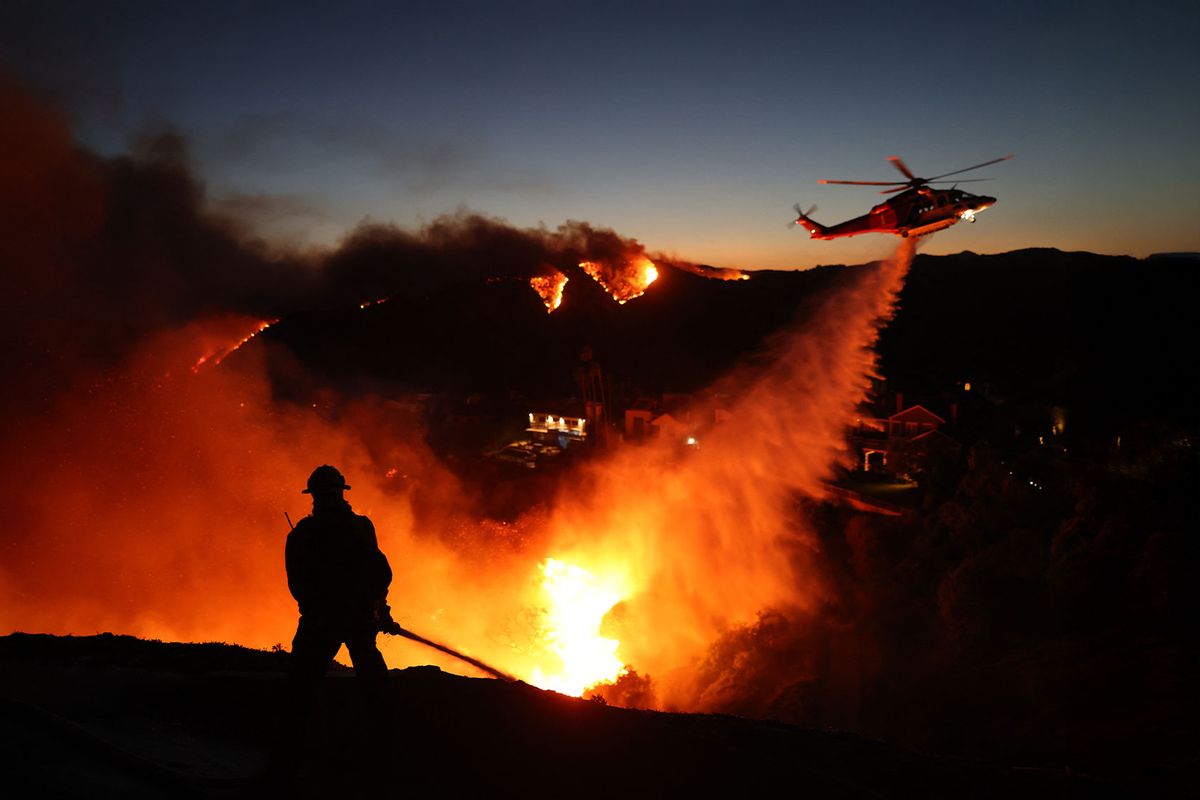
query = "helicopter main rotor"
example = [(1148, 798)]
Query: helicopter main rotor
[(913, 181)]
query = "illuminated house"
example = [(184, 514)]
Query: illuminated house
[(554, 429), (877, 437)]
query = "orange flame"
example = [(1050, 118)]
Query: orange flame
[(550, 289), (578, 602), (623, 284), (219, 354), (713, 273)]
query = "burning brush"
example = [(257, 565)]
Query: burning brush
[(625, 281)]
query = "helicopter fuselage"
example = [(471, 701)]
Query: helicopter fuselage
[(913, 212)]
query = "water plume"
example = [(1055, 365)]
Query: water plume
[(711, 537)]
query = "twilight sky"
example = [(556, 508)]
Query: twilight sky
[(692, 126)]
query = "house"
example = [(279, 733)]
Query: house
[(557, 430), (675, 417), (879, 439), (669, 428), (912, 422)]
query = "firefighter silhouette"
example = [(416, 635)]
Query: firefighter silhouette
[(340, 580)]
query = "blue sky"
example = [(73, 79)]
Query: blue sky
[(691, 126)]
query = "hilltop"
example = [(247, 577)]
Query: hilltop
[(115, 716), (1100, 335)]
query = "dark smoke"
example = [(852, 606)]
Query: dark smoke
[(460, 249), (101, 253)]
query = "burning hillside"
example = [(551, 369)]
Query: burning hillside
[(550, 288), (190, 522), (625, 280), (171, 482)]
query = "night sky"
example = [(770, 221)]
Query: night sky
[(691, 126)]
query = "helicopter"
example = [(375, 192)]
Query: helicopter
[(918, 209)]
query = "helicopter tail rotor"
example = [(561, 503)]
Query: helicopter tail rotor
[(801, 215), (805, 220)]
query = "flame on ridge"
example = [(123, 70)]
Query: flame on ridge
[(624, 284), (577, 604), (219, 354), (550, 289)]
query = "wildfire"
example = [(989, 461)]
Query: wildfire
[(550, 289), (623, 284), (578, 601), (219, 354), (713, 273)]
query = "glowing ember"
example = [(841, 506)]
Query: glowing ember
[(218, 355), (369, 303), (578, 602), (624, 284), (550, 289)]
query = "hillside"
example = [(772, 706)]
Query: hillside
[(1100, 335), (114, 716)]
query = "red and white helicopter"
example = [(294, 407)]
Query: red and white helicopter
[(918, 209)]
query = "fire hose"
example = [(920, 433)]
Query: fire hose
[(396, 630)]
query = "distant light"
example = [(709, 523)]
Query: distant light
[(691, 440), (967, 386)]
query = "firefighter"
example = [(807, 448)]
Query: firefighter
[(340, 579)]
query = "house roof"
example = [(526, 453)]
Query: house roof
[(666, 419), (917, 414)]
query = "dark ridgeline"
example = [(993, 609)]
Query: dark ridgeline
[(475, 335), (1105, 337)]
